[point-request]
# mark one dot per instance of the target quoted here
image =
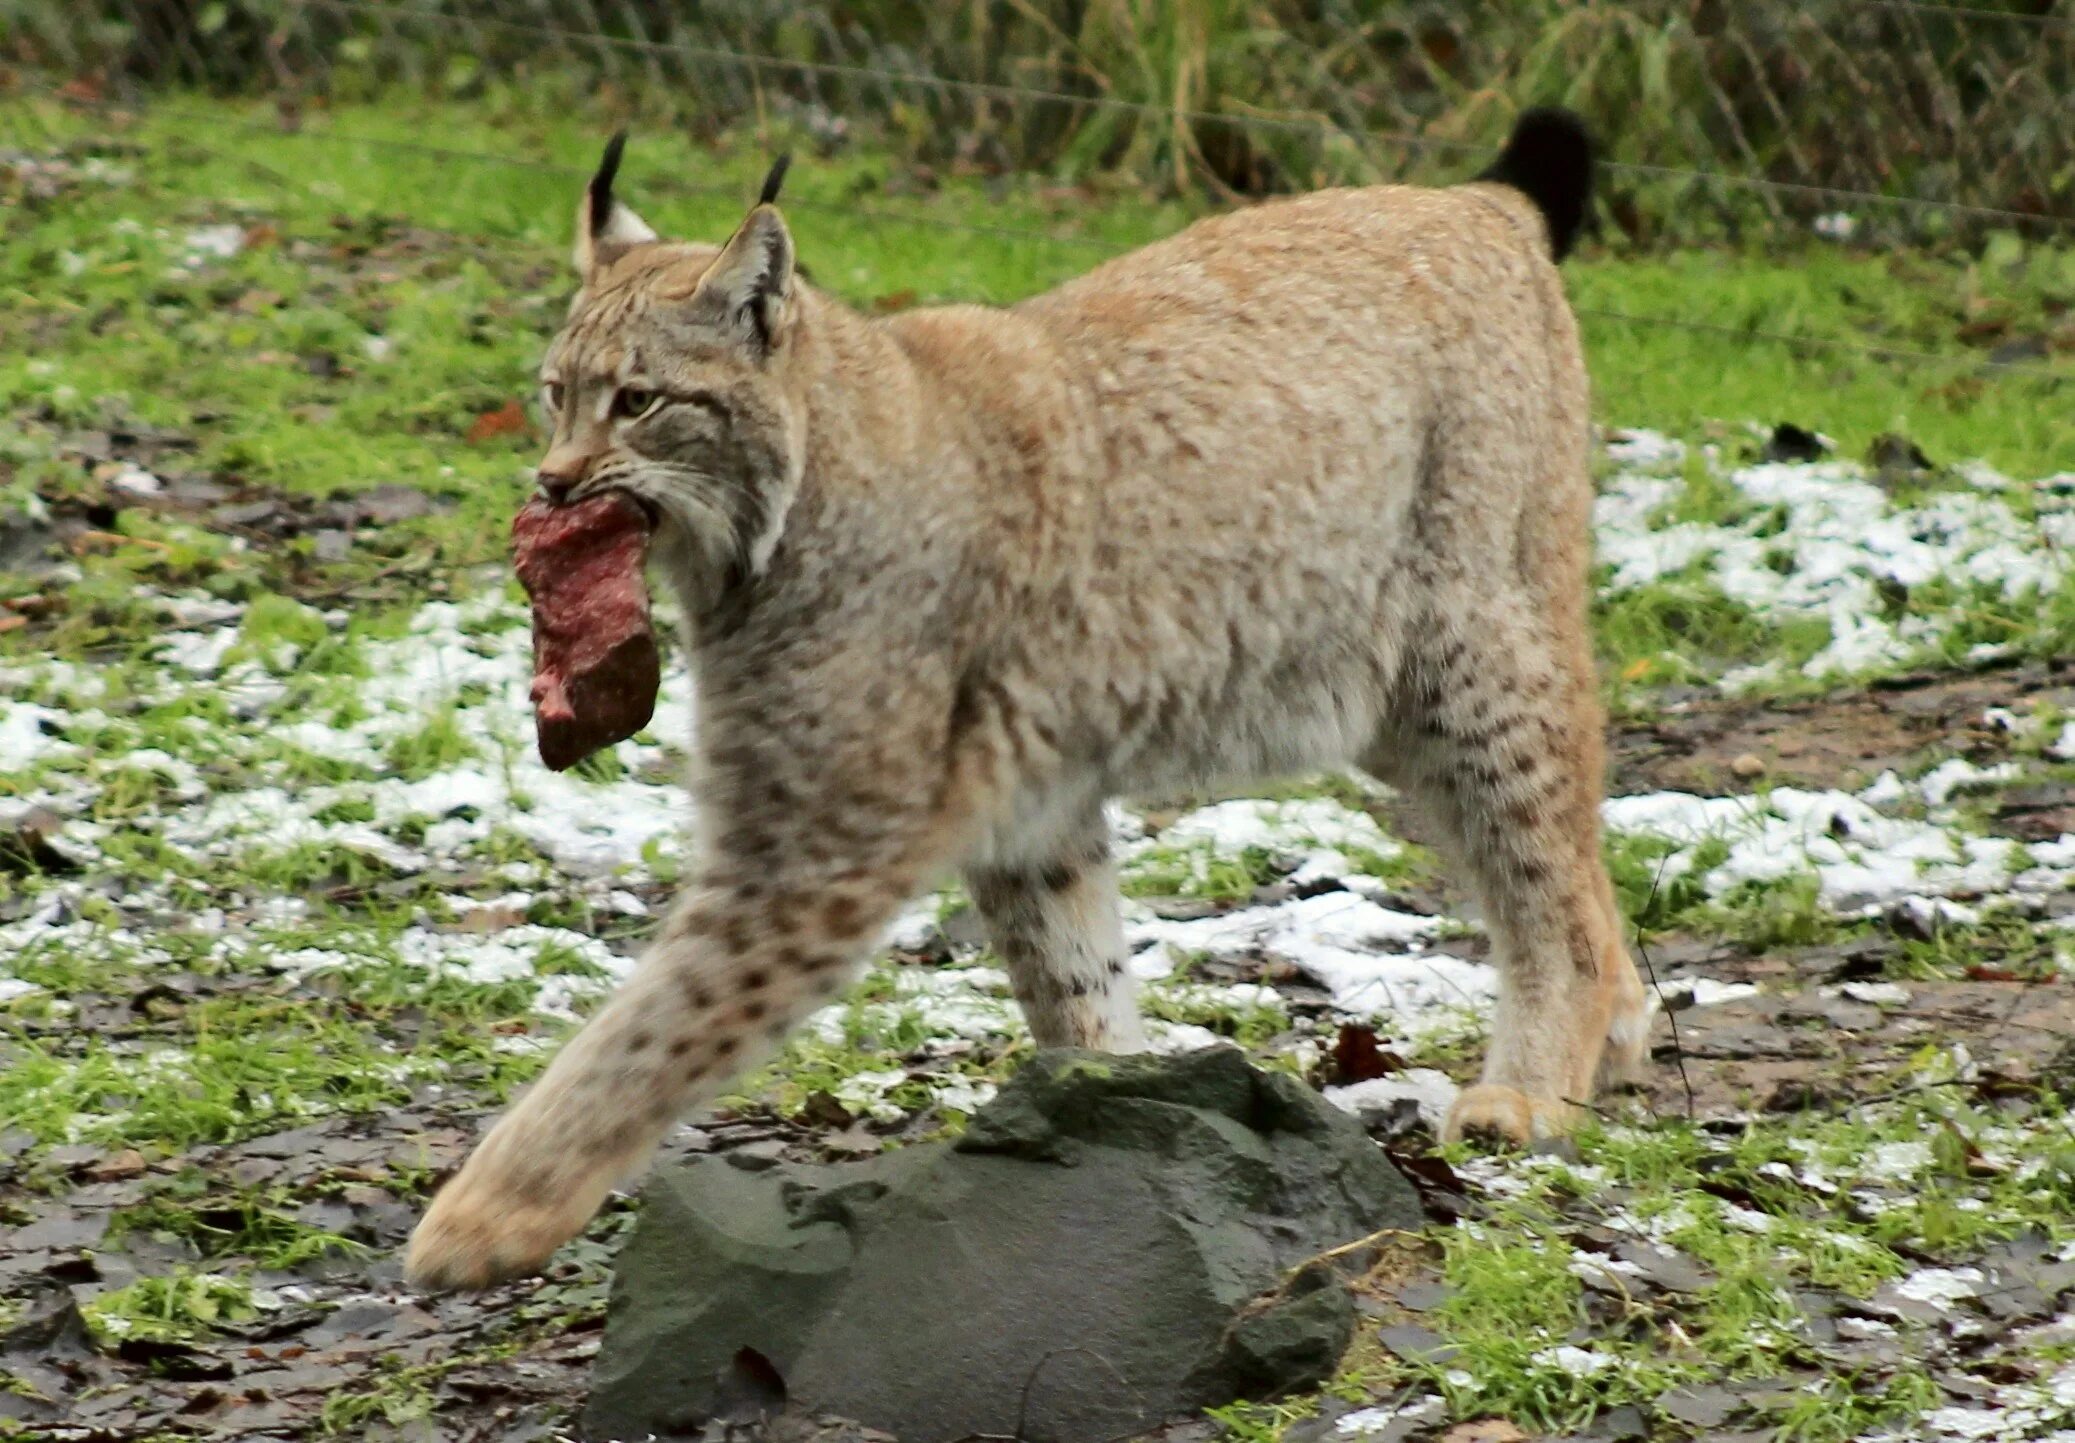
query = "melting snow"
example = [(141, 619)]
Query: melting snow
[(1818, 541), (1824, 541), (1430, 1091)]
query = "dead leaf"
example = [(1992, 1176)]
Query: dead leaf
[(116, 1166), (822, 1110), (32, 840), (485, 918), (97, 542), (1981, 972), (12, 622), (1485, 1430), (855, 1140), (1358, 1058), (507, 420), (893, 301)]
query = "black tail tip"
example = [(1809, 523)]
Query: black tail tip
[(1548, 158)]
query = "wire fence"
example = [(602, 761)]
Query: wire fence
[(216, 121), (650, 59), (1734, 116)]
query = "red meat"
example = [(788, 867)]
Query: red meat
[(595, 667)]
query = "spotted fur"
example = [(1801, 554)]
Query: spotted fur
[(1304, 485)]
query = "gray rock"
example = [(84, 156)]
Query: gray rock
[(1114, 1241)]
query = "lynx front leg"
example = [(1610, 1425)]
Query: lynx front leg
[(1054, 923), (736, 966)]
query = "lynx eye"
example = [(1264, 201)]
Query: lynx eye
[(551, 393), (632, 403)]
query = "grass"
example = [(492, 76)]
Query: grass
[(1685, 630), (1686, 382), (1217, 95), (1200, 871), (178, 1308), (255, 1226), (463, 334), (2004, 942), (1515, 1297)]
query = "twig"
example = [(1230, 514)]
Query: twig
[(1643, 951), (1291, 1274)]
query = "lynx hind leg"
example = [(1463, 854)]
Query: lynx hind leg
[(1054, 922), (1500, 744)]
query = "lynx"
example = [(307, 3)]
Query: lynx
[(1302, 486)]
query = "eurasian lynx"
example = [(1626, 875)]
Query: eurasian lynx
[(1304, 485)]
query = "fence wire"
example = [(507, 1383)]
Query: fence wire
[(1929, 118), (216, 119)]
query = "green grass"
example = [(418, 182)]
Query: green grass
[(255, 1225), (465, 326), (1199, 870), (178, 1308), (2004, 942), (1683, 629), (1515, 1296), (1957, 409), (242, 1063)]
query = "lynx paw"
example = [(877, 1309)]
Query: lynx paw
[(1501, 1113), (1626, 1062), (478, 1233)]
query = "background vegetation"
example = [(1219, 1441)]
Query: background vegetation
[(1727, 116)]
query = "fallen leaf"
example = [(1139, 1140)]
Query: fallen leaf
[(1358, 1058), (97, 542), (116, 1166), (13, 622), (485, 918), (1790, 442), (1889, 452), (31, 840), (1484, 1430), (507, 420), (822, 1110), (1981, 972), (893, 301)]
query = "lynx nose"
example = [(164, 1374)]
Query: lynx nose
[(561, 471)]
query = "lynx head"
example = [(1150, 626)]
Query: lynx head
[(670, 382)]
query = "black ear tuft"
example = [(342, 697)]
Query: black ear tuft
[(775, 179), (601, 183)]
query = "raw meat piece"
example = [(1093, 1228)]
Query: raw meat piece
[(595, 667)]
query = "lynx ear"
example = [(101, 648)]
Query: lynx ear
[(752, 281), (604, 227)]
